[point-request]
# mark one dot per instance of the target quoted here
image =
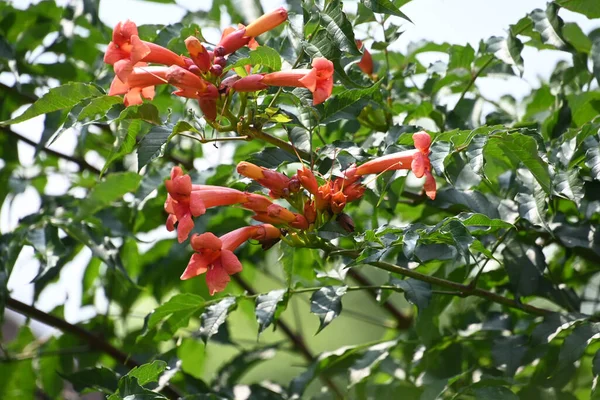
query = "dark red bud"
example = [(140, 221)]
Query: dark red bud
[(294, 184), (219, 51), (216, 70), (220, 61), (194, 69)]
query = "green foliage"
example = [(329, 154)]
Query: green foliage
[(490, 290)]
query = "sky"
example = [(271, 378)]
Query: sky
[(453, 21)]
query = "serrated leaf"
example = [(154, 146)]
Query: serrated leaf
[(300, 137), (590, 9), (548, 24), (575, 344), (326, 303), (532, 208), (335, 22), (592, 161), (384, 7), (372, 357), (263, 55), (347, 103), (147, 373), (416, 292), (507, 50), (175, 313), (59, 98), (151, 144), (474, 152), (111, 189), (524, 149), (215, 316), (509, 351), (439, 151), (494, 393), (525, 266), (129, 388), (97, 378), (269, 306), (230, 373), (568, 184), (596, 363), (146, 112), (98, 106), (127, 133)]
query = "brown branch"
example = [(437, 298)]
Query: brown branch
[(79, 161), (297, 340), (92, 340)]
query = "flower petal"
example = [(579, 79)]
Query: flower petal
[(430, 185), (184, 227), (418, 165), (197, 266), (422, 141), (230, 262), (197, 207), (216, 279), (205, 241), (139, 49)]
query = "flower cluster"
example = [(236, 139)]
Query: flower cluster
[(200, 75), (312, 202)]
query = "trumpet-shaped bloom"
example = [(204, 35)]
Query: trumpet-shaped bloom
[(278, 184), (214, 256), (416, 160), (275, 214), (186, 201), (235, 39), (319, 80), (126, 49), (366, 62), (198, 53), (307, 180), (139, 84)]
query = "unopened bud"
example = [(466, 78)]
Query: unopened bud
[(219, 51), (220, 61), (216, 70)]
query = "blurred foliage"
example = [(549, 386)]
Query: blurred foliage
[(503, 267)]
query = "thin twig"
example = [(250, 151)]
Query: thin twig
[(91, 339)]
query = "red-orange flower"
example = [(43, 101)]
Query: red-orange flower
[(416, 160), (214, 256), (186, 201), (319, 80), (276, 214), (139, 84), (366, 61), (235, 39), (307, 180), (278, 184), (198, 53), (127, 49)]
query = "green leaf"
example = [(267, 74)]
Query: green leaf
[(215, 316), (362, 368), (300, 137), (509, 351), (416, 292), (59, 98), (269, 306), (348, 102), (596, 363), (129, 388), (575, 344), (568, 184), (151, 144), (494, 393), (174, 314), (98, 106), (97, 378), (524, 149), (585, 107), (147, 373), (127, 133), (230, 373), (146, 112), (384, 7), (335, 22), (507, 50), (525, 267), (263, 55), (592, 161), (111, 189), (326, 303), (596, 59), (590, 9), (549, 25)]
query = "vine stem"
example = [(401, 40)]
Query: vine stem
[(296, 339), (92, 340), (84, 165), (473, 79)]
